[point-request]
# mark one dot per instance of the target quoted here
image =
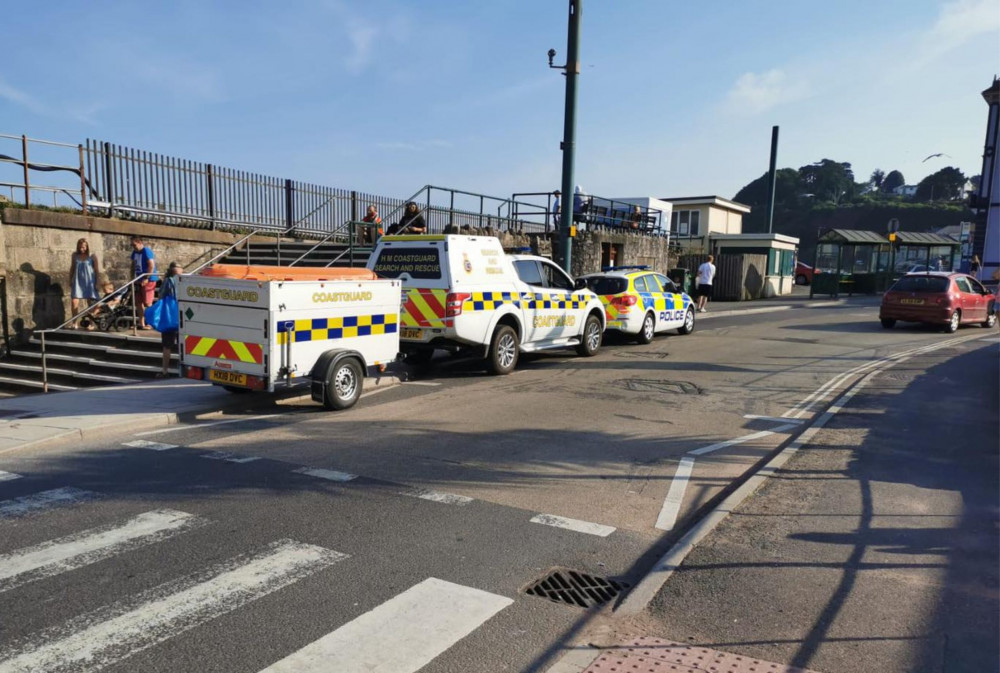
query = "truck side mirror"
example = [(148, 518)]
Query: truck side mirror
[(579, 284)]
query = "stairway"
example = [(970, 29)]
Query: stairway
[(333, 254), (82, 359)]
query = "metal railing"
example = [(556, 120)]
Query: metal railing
[(70, 178)]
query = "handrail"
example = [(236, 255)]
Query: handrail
[(78, 316)]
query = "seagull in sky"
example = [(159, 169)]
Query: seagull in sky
[(939, 154)]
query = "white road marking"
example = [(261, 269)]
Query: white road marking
[(436, 496), (102, 638), (152, 446), (675, 496), (420, 383), (741, 440), (331, 475), (90, 546), (229, 457), (8, 476), (57, 497), (573, 524), (402, 635), (776, 419), (198, 426)]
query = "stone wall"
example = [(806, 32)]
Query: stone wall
[(35, 249), (636, 249)]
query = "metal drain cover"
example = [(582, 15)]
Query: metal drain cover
[(579, 589), (642, 355), (659, 386)]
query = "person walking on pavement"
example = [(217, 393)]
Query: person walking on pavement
[(169, 339), (706, 274), (143, 262), (83, 271)]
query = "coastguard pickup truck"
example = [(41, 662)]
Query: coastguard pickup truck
[(464, 292), (260, 328)]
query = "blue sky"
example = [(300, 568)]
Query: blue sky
[(674, 99)]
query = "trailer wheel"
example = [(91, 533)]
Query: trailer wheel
[(343, 388)]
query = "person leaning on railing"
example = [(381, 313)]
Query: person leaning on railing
[(373, 220)]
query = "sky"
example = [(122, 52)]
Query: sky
[(382, 96)]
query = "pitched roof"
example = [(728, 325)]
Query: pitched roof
[(921, 238), (852, 236)]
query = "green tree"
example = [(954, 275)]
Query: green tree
[(875, 181), (946, 185), (787, 189), (828, 180), (891, 181)]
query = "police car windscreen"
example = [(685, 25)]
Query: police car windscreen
[(921, 284), (417, 262), (607, 285)]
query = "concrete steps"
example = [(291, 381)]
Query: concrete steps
[(79, 359), (332, 254)]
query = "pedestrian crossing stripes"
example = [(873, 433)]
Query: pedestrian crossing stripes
[(108, 635), (90, 546), (573, 524), (435, 496), (229, 457), (401, 635), (8, 476), (152, 446), (330, 475), (57, 497)]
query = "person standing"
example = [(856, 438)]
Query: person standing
[(83, 271), (706, 274), (143, 262), (169, 339), (556, 204), (975, 266)]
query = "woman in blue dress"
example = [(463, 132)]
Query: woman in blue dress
[(83, 273)]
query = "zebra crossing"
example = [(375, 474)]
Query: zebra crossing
[(403, 634)]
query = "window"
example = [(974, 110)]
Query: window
[(418, 262), (555, 278), (977, 286), (963, 285), (606, 284), (640, 284), (667, 284), (528, 272), (686, 222), (921, 284)]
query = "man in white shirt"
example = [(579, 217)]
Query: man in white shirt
[(706, 274)]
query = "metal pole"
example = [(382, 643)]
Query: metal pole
[(109, 179), (45, 369), (210, 193), (569, 132), (27, 185), (83, 182), (135, 317), (772, 177)]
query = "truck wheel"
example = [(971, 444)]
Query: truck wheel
[(648, 330), (590, 340), (343, 388), (688, 325), (504, 349)]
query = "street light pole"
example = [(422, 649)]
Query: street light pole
[(568, 146)]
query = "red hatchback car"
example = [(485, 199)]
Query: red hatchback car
[(938, 298)]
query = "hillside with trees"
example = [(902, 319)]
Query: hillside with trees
[(826, 195)]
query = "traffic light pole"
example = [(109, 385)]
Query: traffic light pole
[(568, 145)]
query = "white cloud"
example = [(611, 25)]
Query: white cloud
[(754, 93), (18, 97), (960, 22)]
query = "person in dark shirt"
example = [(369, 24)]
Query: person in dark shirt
[(412, 222)]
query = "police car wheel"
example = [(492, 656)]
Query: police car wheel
[(688, 325), (343, 388), (503, 350), (648, 330), (590, 341)]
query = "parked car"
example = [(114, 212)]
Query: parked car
[(642, 303), (804, 273), (938, 298)]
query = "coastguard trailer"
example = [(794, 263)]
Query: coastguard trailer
[(264, 328)]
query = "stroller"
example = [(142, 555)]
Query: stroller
[(116, 315)]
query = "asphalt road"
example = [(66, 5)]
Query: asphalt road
[(409, 539)]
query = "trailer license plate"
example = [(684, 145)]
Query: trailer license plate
[(911, 301), (228, 378), (411, 333)]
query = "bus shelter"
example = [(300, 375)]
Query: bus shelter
[(915, 251), (854, 261)]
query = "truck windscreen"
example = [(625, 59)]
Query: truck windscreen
[(418, 262)]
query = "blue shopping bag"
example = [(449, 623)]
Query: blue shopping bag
[(163, 315)]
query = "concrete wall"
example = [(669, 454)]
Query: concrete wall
[(35, 249)]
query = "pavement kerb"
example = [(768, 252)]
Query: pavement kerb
[(152, 421), (776, 307)]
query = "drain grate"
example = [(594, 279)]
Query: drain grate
[(571, 587)]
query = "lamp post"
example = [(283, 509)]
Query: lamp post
[(568, 146)]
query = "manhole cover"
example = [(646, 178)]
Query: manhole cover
[(642, 355), (659, 386), (572, 587)]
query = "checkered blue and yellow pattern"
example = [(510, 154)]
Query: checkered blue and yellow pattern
[(342, 327), (543, 301), (489, 301)]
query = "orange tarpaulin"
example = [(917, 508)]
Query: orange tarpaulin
[(264, 273)]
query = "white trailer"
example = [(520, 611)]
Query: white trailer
[(259, 331)]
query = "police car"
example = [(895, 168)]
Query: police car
[(642, 303)]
